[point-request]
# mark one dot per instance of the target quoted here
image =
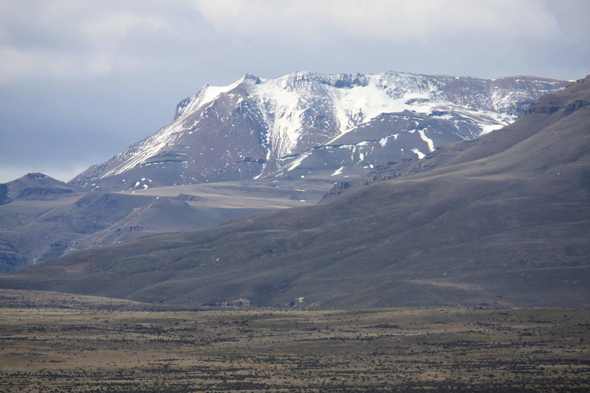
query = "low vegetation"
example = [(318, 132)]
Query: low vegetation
[(68, 343)]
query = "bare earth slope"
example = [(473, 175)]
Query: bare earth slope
[(501, 220)]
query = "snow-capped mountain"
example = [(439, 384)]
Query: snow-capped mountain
[(315, 125)]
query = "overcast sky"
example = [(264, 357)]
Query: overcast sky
[(80, 80)]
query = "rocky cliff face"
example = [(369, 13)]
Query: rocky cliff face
[(314, 125)]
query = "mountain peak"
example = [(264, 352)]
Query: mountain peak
[(37, 186), (251, 78), (36, 177)]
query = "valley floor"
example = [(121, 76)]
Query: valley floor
[(70, 343)]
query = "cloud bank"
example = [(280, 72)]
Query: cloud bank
[(65, 39)]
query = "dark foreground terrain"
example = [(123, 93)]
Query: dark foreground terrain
[(52, 342)]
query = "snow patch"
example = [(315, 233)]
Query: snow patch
[(427, 140), (298, 161), (487, 128), (418, 153), (338, 171)]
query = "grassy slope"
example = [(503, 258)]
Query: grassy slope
[(501, 220)]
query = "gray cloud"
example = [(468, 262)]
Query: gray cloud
[(81, 80), (390, 21)]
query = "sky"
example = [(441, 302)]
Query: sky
[(81, 80)]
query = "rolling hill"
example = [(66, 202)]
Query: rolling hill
[(44, 218)]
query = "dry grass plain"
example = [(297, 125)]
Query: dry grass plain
[(51, 342)]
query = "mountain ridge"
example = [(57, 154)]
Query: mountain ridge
[(264, 128)]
